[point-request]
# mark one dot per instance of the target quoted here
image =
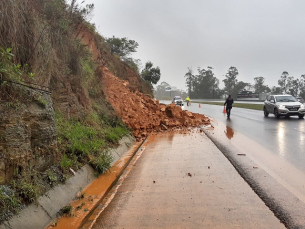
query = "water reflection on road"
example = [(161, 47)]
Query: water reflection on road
[(229, 132), (284, 137)]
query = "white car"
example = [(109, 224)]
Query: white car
[(283, 105), (177, 100)]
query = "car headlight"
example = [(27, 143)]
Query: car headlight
[(282, 107), (302, 106)]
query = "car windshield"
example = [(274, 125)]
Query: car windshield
[(177, 97), (285, 99)]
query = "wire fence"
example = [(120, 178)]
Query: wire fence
[(33, 86)]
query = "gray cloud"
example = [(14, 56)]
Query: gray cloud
[(259, 37)]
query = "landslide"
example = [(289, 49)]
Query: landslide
[(143, 114), (56, 73)]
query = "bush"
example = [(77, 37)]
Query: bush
[(27, 191), (52, 177), (84, 139), (102, 163), (113, 135), (66, 210), (9, 203), (65, 162)]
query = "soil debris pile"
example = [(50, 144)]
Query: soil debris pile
[(144, 114)]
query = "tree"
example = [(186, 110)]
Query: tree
[(121, 46), (276, 90), (189, 80), (231, 81), (161, 90), (135, 64), (151, 74), (259, 86), (302, 86), (293, 86), (203, 85), (240, 85), (207, 83), (282, 82)]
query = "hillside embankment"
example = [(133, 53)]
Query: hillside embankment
[(65, 99)]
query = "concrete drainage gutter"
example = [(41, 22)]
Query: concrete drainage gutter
[(40, 215)]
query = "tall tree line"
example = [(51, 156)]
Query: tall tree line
[(202, 85), (205, 85)]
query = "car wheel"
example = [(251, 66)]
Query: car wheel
[(301, 116), (266, 113), (276, 113)]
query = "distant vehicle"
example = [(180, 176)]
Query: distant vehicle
[(283, 105), (178, 101)]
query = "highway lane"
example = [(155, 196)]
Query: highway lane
[(284, 137), (275, 145)]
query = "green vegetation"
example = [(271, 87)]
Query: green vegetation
[(150, 74), (203, 85), (44, 38), (27, 191), (206, 86), (66, 162), (8, 70), (40, 101), (113, 135), (9, 203), (102, 162), (83, 141), (52, 177), (122, 47), (240, 105), (65, 211)]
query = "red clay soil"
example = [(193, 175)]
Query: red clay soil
[(143, 114)]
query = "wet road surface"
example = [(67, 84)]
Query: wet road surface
[(184, 181), (284, 137), (276, 145)]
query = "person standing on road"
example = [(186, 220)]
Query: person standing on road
[(229, 102), (187, 100)]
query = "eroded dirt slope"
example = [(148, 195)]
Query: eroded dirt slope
[(142, 113)]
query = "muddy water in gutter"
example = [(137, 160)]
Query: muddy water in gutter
[(280, 169), (93, 194), (94, 215)]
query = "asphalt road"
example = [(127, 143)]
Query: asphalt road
[(275, 145), (284, 137)]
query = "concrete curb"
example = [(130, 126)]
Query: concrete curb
[(94, 215), (93, 194)]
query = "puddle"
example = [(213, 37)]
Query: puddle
[(229, 132)]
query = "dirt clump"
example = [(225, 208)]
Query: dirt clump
[(143, 114)]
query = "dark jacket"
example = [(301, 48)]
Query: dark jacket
[(229, 102)]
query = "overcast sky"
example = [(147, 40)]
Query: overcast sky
[(258, 37)]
